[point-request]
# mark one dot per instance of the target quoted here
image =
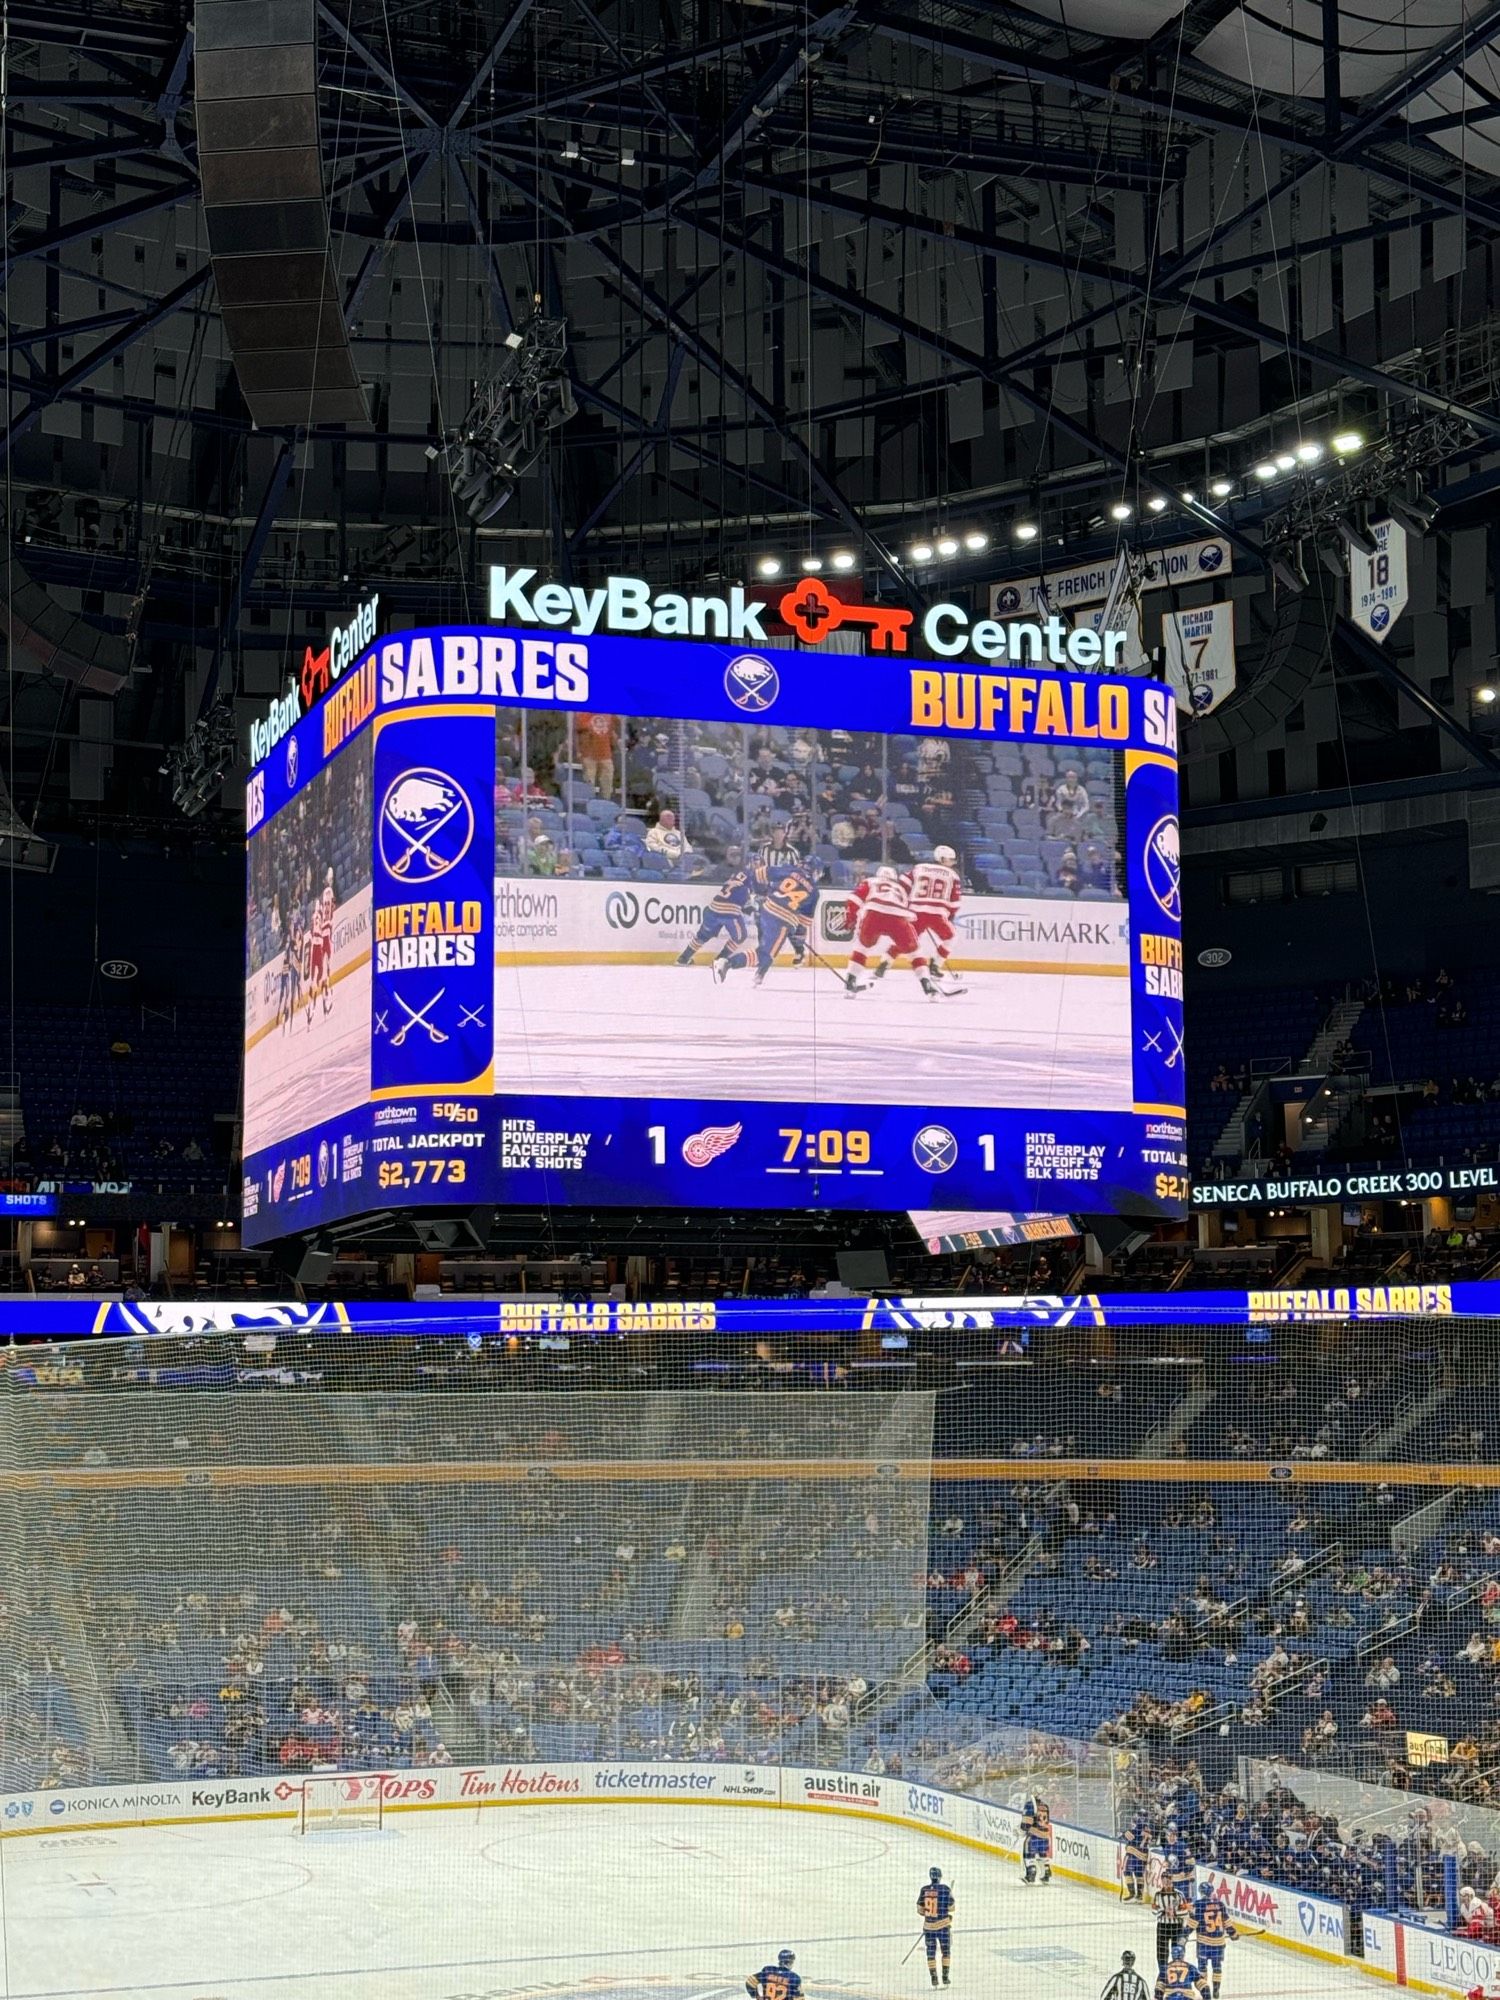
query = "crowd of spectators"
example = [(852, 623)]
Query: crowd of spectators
[(598, 795)]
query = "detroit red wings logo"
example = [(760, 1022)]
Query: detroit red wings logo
[(709, 1143)]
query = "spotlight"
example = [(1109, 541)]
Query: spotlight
[(1416, 513), (1345, 442), (1157, 504), (974, 542), (1266, 469), (1486, 694), (1120, 511), (811, 565), (1285, 461), (1221, 489), (1026, 531), (920, 552), (1309, 453), (1189, 499), (844, 559), (947, 545), (768, 566)]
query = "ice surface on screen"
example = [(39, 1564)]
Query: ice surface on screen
[(630, 831), (307, 956)]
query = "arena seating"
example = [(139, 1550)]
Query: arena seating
[(990, 801), (255, 1624), (149, 1086)]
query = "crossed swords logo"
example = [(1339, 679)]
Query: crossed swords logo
[(416, 1017), (1153, 1045)]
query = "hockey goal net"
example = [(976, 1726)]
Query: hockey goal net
[(331, 1803)]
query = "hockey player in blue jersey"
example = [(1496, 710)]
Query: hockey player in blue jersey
[(1177, 1976), (776, 1982), (1177, 1864), (935, 1907), (1137, 1854), (726, 918), (1036, 1839), (786, 902), (1211, 1931)]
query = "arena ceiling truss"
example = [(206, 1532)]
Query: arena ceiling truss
[(833, 275)]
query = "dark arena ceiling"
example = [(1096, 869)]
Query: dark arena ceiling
[(833, 279)]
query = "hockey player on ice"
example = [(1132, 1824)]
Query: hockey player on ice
[(320, 963), (879, 914), (934, 893), (786, 901), (935, 1906), (776, 1982)]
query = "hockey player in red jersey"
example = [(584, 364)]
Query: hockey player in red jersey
[(320, 970), (934, 893), (879, 914)]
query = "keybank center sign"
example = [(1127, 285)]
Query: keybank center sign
[(630, 605)]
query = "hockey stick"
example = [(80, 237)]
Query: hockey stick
[(919, 1937)]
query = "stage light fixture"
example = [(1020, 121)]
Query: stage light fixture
[(505, 429), (974, 541), (1266, 469), (768, 566), (1345, 443), (948, 546), (1157, 504), (1285, 461), (1357, 536), (811, 565), (844, 559), (920, 552), (1120, 511), (1309, 453), (1221, 489), (1026, 531)]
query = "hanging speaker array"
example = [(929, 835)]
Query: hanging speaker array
[(261, 168)]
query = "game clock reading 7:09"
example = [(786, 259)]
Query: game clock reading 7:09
[(825, 1149)]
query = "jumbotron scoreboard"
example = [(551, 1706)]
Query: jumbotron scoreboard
[(544, 912)]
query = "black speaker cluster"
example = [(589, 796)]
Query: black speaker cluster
[(262, 172)]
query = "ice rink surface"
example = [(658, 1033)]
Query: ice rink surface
[(607, 1902), (311, 1069), (1034, 1041)]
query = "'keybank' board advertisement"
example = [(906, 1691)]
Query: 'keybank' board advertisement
[(627, 921)]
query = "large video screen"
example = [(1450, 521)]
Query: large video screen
[(632, 921)]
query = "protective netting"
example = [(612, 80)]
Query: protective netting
[(210, 1579), (1138, 1562)]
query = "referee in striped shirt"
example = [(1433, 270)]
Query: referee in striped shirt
[(1127, 1983), (778, 852)]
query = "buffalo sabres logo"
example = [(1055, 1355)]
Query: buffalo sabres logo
[(426, 825), (934, 1149), (291, 762), (751, 682), (208, 1316), (1164, 867)]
